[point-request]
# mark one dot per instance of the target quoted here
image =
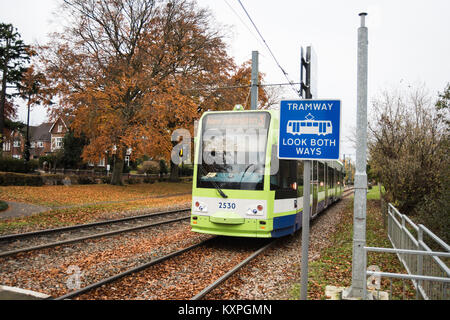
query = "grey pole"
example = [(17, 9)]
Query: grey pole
[(305, 228), (307, 164), (254, 84), (360, 200)]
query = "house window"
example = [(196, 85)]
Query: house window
[(16, 156), (40, 144), (60, 128), (59, 143), (101, 163), (7, 146), (16, 143), (33, 145), (127, 160)]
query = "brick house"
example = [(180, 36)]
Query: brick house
[(57, 132), (13, 144), (45, 138), (40, 140)]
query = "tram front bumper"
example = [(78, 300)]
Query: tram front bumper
[(232, 226)]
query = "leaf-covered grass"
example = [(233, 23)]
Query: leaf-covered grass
[(56, 196), (334, 267), (71, 216)]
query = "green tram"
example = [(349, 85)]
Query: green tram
[(241, 188)]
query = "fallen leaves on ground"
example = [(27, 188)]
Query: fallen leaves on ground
[(71, 216), (55, 196)]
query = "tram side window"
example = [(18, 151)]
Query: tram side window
[(336, 179), (321, 177), (286, 176), (330, 178)]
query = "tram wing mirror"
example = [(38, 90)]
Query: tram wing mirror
[(274, 161)]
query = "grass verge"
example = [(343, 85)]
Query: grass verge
[(334, 266)]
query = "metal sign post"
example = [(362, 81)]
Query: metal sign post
[(305, 228), (309, 129)]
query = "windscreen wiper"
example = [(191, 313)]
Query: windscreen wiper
[(216, 186)]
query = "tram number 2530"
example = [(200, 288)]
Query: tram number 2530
[(227, 205)]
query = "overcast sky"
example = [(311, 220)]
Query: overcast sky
[(408, 42)]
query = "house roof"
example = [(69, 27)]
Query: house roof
[(40, 132), (56, 122)]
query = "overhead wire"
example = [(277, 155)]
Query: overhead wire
[(241, 86), (242, 21), (270, 51)]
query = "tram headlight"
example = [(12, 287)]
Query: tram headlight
[(200, 207), (255, 210)]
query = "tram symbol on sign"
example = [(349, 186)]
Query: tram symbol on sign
[(309, 126)]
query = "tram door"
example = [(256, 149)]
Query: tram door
[(314, 187), (321, 186)]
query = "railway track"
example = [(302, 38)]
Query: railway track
[(133, 273), (176, 262), (23, 242), (208, 286)]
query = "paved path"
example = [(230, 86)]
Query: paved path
[(19, 209)]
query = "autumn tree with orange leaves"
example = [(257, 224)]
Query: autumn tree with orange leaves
[(130, 72)]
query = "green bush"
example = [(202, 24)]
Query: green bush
[(85, 180), (17, 165), (186, 170), (434, 210), (132, 181), (19, 179), (149, 180), (148, 167), (3, 205), (163, 169)]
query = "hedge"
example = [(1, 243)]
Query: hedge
[(18, 165), (19, 179), (3, 205)]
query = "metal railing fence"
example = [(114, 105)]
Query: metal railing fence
[(427, 269)]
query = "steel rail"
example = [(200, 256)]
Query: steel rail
[(128, 272), (97, 235), (10, 237), (236, 268), (198, 296)]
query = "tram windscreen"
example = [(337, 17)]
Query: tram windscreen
[(233, 150)]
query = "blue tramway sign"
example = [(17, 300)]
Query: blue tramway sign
[(309, 129)]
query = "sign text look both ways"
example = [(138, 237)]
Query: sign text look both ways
[(309, 129)]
